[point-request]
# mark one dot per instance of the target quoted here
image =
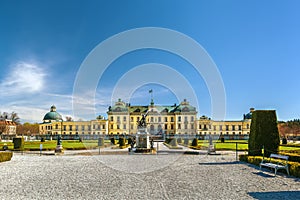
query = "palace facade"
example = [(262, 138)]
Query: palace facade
[(123, 119)]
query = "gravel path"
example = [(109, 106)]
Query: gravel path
[(140, 177)]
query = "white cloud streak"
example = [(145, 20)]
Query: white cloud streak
[(23, 78)]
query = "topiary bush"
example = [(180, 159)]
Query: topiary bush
[(284, 140), (186, 141), (263, 133), (195, 142), (113, 141), (129, 141), (122, 142), (18, 143), (173, 142), (179, 140), (5, 156)]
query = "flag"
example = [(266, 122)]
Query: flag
[(150, 91)]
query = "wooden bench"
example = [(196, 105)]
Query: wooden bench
[(283, 164)]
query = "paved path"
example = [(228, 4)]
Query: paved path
[(172, 176)]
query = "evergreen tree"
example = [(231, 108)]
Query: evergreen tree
[(263, 133)]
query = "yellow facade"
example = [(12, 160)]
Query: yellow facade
[(95, 127), (123, 119), (207, 126)]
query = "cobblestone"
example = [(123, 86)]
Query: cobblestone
[(169, 176)]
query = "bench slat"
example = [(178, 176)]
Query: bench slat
[(279, 156)]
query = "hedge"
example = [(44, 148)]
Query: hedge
[(294, 167), (5, 156)]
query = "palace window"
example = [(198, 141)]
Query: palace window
[(159, 119), (179, 118), (111, 118), (233, 127), (124, 119), (240, 127), (172, 119), (227, 127), (185, 119)]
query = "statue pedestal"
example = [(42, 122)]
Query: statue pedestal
[(59, 149), (142, 141)]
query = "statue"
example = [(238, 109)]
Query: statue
[(142, 123), (58, 140)]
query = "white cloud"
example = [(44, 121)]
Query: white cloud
[(23, 78)]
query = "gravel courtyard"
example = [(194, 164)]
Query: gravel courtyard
[(169, 176)]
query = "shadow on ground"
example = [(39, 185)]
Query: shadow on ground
[(221, 163), (263, 174), (275, 195)]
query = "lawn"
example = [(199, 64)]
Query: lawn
[(50, 145)]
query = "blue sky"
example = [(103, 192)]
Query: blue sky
[(254, 44)]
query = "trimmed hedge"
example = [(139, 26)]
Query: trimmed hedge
[(113, 141), (179, 140), (5, 156), (186, 141), (172, 142), (294, 167), (18, 143), (122, 142), (195, 142), (292, 157)]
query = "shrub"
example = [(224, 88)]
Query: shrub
[(284, 140), (113, 141), (263, 133), (18, 143), (195, 142), (222, 139), (179, 140), (122, 142), (186, 141), (5, 156), (292, 157), (129, 141), (173, 142)]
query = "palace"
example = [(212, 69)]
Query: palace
[(122, 119)]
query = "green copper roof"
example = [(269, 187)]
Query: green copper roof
[(53, 115)]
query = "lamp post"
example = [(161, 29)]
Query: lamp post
[(59, 148)]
